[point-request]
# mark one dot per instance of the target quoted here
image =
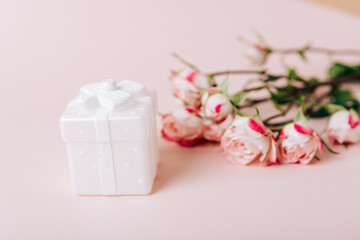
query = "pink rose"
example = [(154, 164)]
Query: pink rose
[(216, 106), (343, 127), (214, 131), (187, 85), (247, 140), (256, 54), (183, 126), (298, 143)]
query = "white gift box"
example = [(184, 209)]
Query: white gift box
[(110, 135)]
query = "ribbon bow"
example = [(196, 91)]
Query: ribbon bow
[(110, 94)]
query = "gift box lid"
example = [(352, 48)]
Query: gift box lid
[(109, 111)]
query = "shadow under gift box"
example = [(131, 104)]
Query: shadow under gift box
[(111, 139)]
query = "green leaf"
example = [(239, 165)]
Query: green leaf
[(344, 98), (325, 110), (340, 99), (283, 95), (301, 99), (319, 113), (224, 85), (341, 95), (302, 54), (237, 98), (300, 117), (333, 108), (293, 75), (261, 71), (341, 70), (271, 78), (312, 80)]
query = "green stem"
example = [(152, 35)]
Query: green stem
[(251, 103), (319, 50), (185, 62), (240, 72), (278, 124), (281, 114)]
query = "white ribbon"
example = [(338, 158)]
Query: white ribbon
[(109, 96)]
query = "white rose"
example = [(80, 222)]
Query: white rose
[(183, 126), (187, 86), (199, 80), (247, 140), (214, 131), (298, 143), (216, 106), (343, 127), (256, 54)]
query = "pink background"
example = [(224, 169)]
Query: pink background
[(48, 49)]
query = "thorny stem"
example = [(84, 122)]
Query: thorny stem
[(319, 100), (281, 114), (185, 62), (254, 89), (235, 72), (239, 72), (319, 50), (279, 125), (337, 81), (307, 88), (252, 103), (306, 48)]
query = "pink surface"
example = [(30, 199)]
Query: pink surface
[(50, 48)]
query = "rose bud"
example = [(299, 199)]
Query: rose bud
[(214, 131), (256, 54), (183, 126), (247, 140), (343, 127), (187, 85), (298, 143), (216, 106)]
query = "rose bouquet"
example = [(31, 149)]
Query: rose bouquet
[(209, 113)]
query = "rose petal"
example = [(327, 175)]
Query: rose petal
[(303, 129), (281, 133), (259, 47), (182, 126), (166, 136), (218, 107), (256, 126), (189, 143), (272, 156), (352, 122), (318, 141), (190, 76), (267, 164), (192, 110)]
